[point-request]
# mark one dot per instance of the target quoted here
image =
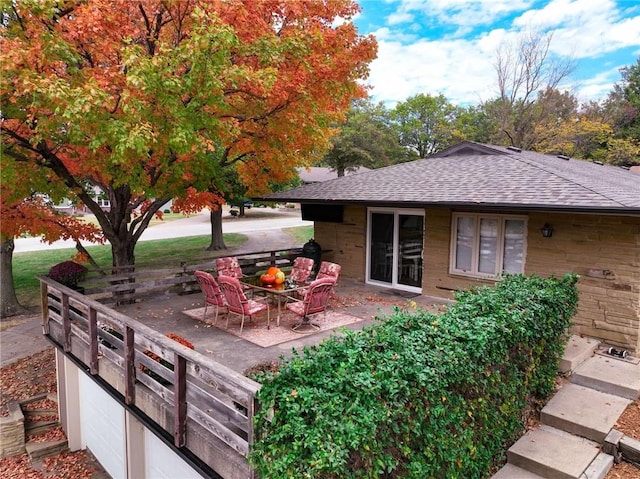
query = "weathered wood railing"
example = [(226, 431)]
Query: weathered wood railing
[(111, 285), (206, 407)]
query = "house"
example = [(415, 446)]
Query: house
[(317, 174), (473, 212)]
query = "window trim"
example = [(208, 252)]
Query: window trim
[(476, 244), (396, 212)]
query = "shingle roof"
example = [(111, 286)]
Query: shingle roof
[(483, 175)]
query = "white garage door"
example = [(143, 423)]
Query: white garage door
[(163, 463), (102, 425)]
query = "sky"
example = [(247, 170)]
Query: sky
[(449, 46)]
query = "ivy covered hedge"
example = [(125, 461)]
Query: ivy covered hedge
[(420, 395)]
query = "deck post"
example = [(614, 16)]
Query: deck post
[(129, 366), (180, 400)]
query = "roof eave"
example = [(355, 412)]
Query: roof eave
[(464, 204)]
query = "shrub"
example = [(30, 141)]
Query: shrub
[(67, 273), (420, 395)]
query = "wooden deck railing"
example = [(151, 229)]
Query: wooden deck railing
[(112, 285), (200, 402)]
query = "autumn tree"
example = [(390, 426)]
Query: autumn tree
[(148, 100), (526, 73), (424, 123), (24, 209)]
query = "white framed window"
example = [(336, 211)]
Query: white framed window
[(485, 245)]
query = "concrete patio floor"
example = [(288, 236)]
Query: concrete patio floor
[(164, 314)]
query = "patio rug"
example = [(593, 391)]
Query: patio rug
[(256, 331)]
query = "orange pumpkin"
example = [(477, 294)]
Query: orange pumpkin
[(268, 278), (273, 270), (280, 276)]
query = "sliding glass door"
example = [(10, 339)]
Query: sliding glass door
[(394, 251)]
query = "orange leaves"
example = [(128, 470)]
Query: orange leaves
[(32, 216), (151, 99), (194, 201)]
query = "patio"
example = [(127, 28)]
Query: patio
[(199, 403), (356, 305)]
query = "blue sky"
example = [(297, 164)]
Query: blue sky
[(449, 46)]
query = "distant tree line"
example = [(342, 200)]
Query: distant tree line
[(530, 112)]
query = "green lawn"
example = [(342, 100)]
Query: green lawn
[(149, 255)]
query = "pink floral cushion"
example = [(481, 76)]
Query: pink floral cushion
[(302, 268), (329, 270), (229, 266)]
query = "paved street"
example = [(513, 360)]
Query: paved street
[(256, 219)]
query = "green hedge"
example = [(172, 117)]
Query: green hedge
[(421, 395)]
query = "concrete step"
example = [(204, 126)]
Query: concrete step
[(509, 471), (583, 411), (553, 454), (577, 350), (610, 375), (599, 467)]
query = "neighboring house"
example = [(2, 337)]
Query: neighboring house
[(318, 174), (466, 215), (71, 208)]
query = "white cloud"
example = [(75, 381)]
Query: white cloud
[(461, 13), (436, 67), (598, 86), (582, 28), (461, 68)]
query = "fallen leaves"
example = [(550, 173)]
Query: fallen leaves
[(21, 380), (28, 377), (629, 422), (54, 434)]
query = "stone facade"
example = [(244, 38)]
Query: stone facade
[(603, 249)]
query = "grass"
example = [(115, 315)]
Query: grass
[(166, 217), (149, 255), (300, 234)]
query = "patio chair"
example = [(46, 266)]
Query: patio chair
[(212, 294), (230, 266), (238, 303), (327, 270), (314, 302), (302, 269)]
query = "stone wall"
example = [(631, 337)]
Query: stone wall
[(347, 241), (603, 249), (12, 438)]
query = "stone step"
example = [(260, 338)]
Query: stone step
[(38, 450), (577, 350), (39, 427), (610, 375), (553, 454), (583, 411), (509, 471)]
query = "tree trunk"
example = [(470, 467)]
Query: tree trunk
[(217, 241), (9, 305), (122, 252)]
